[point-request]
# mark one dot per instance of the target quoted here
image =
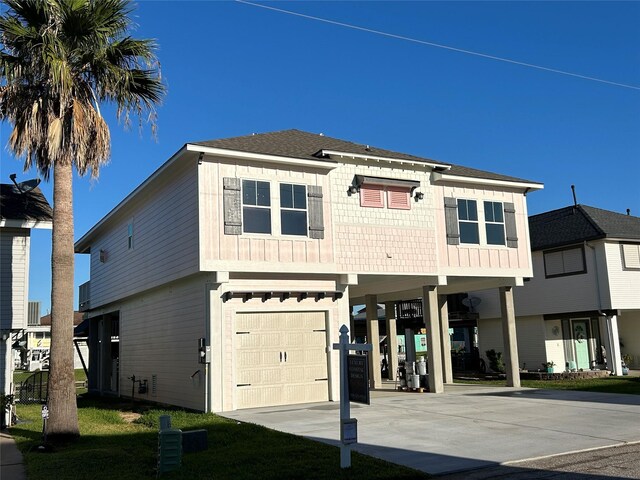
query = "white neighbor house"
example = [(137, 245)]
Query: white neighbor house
[(260, 246), (584, 294), (19, 213)]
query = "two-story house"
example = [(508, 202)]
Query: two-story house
[(248, 254), (22, 208), (582, 305)]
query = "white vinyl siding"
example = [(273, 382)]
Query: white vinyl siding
[(624, 283), (14, 277), (159, 334), (281, 358), (567, 261), (165, 247)]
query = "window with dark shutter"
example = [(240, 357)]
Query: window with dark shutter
[(468, 221), (293, 209), (494, 223), (451, 221), (232, 206), (256, 206), (316, 216)]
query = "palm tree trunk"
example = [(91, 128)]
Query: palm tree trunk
[(63, 412)]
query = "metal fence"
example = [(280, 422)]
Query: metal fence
[(33, 389)]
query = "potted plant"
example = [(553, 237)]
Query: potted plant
[(548, 366), (626, 360)]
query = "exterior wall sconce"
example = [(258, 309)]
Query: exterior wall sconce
[(418, 196), (103, 255), (352, 190)]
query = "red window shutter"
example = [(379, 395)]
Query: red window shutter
[(398, 198), (372, 196)]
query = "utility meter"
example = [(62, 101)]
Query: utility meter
[(204, 351)]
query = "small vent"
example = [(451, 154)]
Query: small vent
[(154, 384)]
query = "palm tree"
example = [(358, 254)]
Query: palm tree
[(59, 59)]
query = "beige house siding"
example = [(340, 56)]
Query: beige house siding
[(252, 252), (14, 277), (159, 331), (629, 333), (476, 259), (369, 240), (554, 345), (624, 284), (165, 239)]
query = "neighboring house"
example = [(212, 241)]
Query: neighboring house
[(584, 294), (20, 211), (248, 254)]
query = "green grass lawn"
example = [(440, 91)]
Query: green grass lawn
[(626, 384), (111, 447), (21, 375)]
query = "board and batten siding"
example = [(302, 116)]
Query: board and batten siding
[(14, 277), (483, 259), (165, 239), (251, 251), (382, 240), (159, 334), (624, 284)]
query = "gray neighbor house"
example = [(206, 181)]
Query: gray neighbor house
[(581, 308)]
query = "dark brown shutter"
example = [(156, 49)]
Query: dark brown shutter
[(232, 203), (451, 220), (510, 225), (316, 217)]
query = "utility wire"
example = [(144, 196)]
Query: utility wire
[(438, 45)]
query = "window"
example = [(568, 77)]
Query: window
[(631, 255), (256, 206), (566, 261), (468, 221), (494, 223), (293, 209), (372, 196), (130, 235), (398, 198)]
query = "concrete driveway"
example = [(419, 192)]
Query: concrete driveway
[(467, 427)]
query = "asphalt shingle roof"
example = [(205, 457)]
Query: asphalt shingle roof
[(305, 145), (570, 225), (23, 206)]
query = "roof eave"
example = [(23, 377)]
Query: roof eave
[(31, 223), (444, 177), (403, 161), (223, 152)]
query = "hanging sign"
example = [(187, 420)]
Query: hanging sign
[(358, 378)]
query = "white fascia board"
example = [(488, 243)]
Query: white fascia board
[(261, 157), (444, 177), (82, 245), (8, 223), (383, 159)]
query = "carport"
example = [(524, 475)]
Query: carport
[(467, 426)]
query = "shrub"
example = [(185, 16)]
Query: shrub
[(496, 362)]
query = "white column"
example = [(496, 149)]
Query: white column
[(7, 372), (614, 355), (509, 336), (392, 338), (431, 315), (373, 337), (447, 373)]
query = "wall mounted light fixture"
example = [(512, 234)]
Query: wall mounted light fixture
[(352, 190), (103, 255), (418, 196)]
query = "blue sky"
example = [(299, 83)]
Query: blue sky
[(233, 69)]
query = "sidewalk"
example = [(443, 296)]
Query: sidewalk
[(11, 466)]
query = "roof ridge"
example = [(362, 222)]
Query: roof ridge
[(591, 220)]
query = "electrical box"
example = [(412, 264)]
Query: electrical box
[(204, 351), (169, 450)]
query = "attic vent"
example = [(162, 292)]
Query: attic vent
[(154, 384)]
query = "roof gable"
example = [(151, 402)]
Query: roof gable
[(28, 206), (580, 223)]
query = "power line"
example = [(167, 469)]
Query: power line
[(438, 45)]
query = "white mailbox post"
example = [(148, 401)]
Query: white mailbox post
[(348, 425)]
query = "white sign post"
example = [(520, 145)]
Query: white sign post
[(348, 425)]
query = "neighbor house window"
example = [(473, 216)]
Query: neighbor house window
[(293, 209), (494, 223), (398, 198), (130, 235), (468, 221), (256, 206), (565, 261), (631, 256)]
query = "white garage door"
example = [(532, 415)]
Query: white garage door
[(280, 358)]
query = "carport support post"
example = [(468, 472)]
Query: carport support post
[(509, 336), (447, 374), (373, 337), (431, 314), (392, 338)]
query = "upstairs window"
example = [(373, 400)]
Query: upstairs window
[(630, 256), (565, 261), (494, 223), (468, 221), (293, 209), (130, 235), (256, 206)]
